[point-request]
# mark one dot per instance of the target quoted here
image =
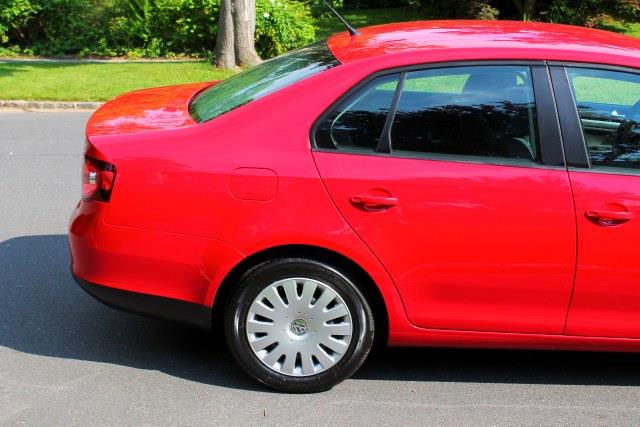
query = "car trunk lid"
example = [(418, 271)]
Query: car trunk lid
[(146, 110)]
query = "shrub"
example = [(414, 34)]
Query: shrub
[(162, 27), (282, 26), (14, 15), (143, 28), (590, 12), (64, 26), (466, 9)]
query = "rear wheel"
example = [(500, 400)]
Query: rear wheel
[(298, 325)]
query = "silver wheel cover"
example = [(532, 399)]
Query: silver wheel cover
[(299, 327)]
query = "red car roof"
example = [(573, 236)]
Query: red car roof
[(436, 35)]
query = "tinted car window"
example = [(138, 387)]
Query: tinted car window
[(261, 80), (608, 103), (484, 111), (356, 123)]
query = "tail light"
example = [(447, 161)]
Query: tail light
[(98, 178)]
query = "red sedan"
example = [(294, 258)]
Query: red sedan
[(462, 183)]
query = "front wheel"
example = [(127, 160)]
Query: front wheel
[(298, 325)]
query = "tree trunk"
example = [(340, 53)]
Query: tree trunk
[(225, 41), (244, 26)]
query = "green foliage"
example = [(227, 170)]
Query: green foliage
[(14, 15), (483, 10), (369, 4), (282, 26), (150, 28), (319, 8), (463, 9), (143, 28), (590, 12), (63, 26)]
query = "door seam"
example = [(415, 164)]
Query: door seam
[(577, 249), (552, 85), (355, 233)]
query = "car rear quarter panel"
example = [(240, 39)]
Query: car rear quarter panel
[(246, 178), (140, 260)]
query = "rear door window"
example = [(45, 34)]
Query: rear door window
[(486, 111), (459, 113), (608, 104)]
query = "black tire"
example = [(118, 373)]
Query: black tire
[(263, 275)]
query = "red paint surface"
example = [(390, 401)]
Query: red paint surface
[(254, 184), (470, 247), (606, 299), (468, 255), (146, 110), (480, 36)]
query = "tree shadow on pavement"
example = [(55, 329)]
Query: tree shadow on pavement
[(43, 312)]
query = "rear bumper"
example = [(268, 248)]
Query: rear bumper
[(160, 274), (149, 305)]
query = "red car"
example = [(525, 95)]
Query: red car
[(444, 183)]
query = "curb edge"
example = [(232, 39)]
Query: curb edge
[(48, 105)]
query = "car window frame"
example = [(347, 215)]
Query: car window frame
[(576, 150), (552, 152)]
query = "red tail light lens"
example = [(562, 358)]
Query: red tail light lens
[(98, 178)]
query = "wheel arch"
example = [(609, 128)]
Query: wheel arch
[(358, 274)]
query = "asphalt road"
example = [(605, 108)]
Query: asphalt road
[(65, 359)]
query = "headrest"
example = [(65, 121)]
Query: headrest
[(489, 82)]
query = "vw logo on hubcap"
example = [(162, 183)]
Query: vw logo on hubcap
[(299, 327)]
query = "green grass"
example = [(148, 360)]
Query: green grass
[(633, 29), (95, 81), (629, 29), (327, 25), (599, 90)]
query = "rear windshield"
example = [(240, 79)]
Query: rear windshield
[(261, 80)]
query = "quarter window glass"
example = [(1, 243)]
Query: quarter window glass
[(357, 122), (262, 80), (608, 103), (484, 111)]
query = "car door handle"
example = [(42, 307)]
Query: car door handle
[(373, 203), (606, 217)]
